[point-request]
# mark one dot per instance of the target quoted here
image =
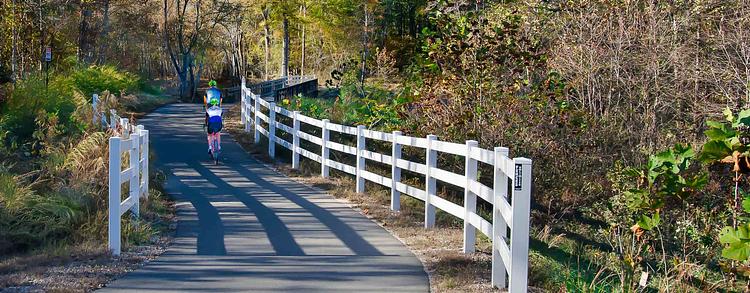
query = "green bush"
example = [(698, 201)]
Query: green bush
[(357, 104), (32, 100), (96, 79)]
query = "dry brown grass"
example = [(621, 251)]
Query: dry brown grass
[(78, 268), (439, 249)]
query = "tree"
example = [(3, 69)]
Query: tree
[(187, 33)]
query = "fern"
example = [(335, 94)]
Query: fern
[(87, 153)]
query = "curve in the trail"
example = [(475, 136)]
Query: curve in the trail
[(242, 227)]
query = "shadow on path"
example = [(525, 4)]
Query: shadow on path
[(278, 233)]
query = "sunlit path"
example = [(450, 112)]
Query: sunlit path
[(245, 228)]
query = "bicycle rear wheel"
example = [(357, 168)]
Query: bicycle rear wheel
[(216, 151)]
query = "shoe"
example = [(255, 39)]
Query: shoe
[(209, 151)]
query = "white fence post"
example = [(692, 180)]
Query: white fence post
[(470, 199), (243, 112), (256, 119), (499, 226), (295, 140), (430, 183), (144, 168), (519, 232), (324, 150), (395, 172), (272, 130), (94, 103), (247, 107), (112, 119), (114, 195), (125, 127), (135, 176), (360, 159)]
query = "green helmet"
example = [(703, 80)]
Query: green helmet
[(213, 101), (212, 83)]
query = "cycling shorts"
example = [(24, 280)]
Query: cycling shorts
[(214, 127)]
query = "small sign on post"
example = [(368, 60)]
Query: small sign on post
[(517, 181), (47, 59)]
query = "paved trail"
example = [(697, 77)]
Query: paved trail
[(245, 228)]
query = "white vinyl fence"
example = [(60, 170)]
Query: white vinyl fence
[(509, 252), (133, 140)]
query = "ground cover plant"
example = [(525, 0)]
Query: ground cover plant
[(53, 177)]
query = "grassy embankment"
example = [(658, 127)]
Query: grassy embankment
[(53, 182)]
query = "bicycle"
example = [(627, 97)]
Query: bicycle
[(215, 151)]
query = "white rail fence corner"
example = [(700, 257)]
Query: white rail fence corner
[(133, 140), (510, 194)]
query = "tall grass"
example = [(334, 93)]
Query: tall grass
[(55, 191)]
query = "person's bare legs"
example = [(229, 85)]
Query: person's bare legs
[(218, 138), (211, 138)]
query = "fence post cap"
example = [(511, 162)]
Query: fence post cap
[(501, 149), (522, 161), (472, 143), (360, 127), (396, 132), (432, 137), (326, 120)]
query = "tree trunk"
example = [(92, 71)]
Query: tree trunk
[(83, 35), (304, 27), (285, 51), (198, 77), (241, 52), (41, 37), (13, 65), (365, 45), (267, 41), (103, 37)]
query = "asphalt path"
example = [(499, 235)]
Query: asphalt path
[(242, 227)]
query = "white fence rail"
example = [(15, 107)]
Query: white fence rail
[(510, 209), (135, 142)]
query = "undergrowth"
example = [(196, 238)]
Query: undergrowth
[(54, 161)]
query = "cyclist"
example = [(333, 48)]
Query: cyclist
[(212, 103)]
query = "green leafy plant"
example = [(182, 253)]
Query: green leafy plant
[(666, 176), (727, 140)]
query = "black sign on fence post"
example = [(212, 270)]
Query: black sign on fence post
[(518, 178)]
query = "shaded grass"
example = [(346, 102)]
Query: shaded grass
[(78, 266)]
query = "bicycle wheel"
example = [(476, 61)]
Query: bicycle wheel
[(216, 151)]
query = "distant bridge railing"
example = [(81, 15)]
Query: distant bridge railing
[(510, 208), (286, 87)]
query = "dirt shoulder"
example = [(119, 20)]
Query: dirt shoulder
[(83, 265), (439, 249), (86, 266)]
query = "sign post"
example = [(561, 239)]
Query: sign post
[(47, 59)]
